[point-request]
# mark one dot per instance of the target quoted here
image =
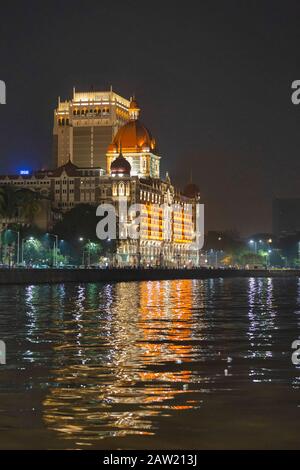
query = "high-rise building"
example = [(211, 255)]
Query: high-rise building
[(85, 126)]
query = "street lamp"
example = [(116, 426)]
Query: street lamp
[(253, 243), (269, 256), (86, 250), (81, 239), (90, 246), (55, 247)]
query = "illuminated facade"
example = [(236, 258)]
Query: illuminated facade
[(168, 216), (133, 165), (86, 125), (161, 205), (137, 145)]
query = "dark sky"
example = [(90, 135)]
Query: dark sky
[(213, 79)]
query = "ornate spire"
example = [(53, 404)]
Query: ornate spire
[(134, 109)]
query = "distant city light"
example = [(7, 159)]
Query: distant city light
[(24, 172)]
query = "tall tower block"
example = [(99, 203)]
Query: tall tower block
[(86, 125)]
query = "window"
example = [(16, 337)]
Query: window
[(121, 189)]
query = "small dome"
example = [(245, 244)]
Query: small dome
[(191, 190), (120, 166)]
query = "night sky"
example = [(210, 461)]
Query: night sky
[(213, 79)]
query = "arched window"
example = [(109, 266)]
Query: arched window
[(121, 189)]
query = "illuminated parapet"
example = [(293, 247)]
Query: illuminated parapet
[(85, 126)]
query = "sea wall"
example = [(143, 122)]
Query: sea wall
[(54, 276)]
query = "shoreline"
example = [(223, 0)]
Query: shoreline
[(59, 276)]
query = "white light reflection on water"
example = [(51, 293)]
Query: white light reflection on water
[(114, 360), (261, 315)]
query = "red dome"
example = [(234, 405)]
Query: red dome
[(132, 137), (120, 166)]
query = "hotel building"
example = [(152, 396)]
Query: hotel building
[(130, 175), (85, 126)]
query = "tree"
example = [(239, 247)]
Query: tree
[(250, 258), (37, 252), (78, 229), (18, 203), (92, 251), (79, 222), (2, 200), (8, 205), (28, 204)]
